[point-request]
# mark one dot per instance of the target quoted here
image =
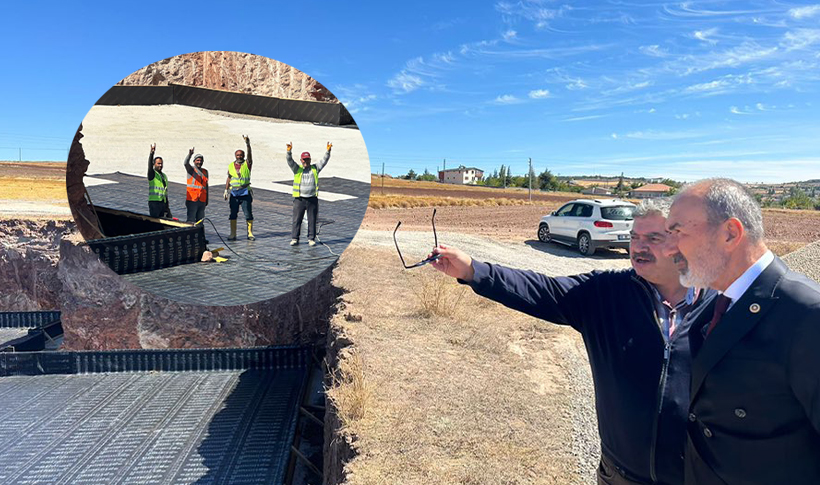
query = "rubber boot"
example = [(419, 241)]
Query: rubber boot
[(232, 237), (250, 231)]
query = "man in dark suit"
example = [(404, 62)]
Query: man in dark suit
[(754, 413)]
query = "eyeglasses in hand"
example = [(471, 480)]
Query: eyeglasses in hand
[(420, 263)]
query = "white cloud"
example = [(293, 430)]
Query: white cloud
[(406, 82), (506, 99), (705, 35), (653, 50), (577, 84), (663, 135), (800, 39), (805, 12), (651, 110), (539, 94), (584, 118), (710, 86), (614, 136), (737, 111), (510, 35)]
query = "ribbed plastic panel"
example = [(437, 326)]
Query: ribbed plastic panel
[(28, 319), (120, 424), (175, 360), (151, 250)]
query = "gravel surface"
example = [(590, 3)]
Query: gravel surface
[(806, 260), (551, 259)]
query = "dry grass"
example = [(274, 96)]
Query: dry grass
[(408, 201), (458, 397), (29, 189), (437, 295), (350, 391), (782, 248)]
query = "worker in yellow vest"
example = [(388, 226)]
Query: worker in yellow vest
[(196, 195), (238, 186), (305, 193), (157, 187)]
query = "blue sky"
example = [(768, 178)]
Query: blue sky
[(685, 90)]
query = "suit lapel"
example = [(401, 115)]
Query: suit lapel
[(736, 323)]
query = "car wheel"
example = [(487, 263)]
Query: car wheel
[(544, 233), (585, 244)]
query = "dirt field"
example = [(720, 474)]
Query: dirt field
[(786, 230), (33, 188), (454, 389)]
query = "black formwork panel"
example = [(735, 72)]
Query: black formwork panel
[(233, 102), (132, 426), (295, 110), (22, 339), (137, 95), (227, 101), (37, 319), (151, 250), (257, 270)]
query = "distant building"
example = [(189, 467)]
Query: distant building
[(596, 191), (461, 175), (650, 190)]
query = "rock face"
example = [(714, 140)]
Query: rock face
[(44, 266), (76, 168), (232, 71)]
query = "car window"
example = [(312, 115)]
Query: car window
[(584, 210), (618, 213), (565, 211)]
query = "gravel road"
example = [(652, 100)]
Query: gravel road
[(551, 259)]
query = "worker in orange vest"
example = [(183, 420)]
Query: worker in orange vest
[(196, 197)]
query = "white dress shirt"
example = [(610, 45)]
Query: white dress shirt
[(740, 285)]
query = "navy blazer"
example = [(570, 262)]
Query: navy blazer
[(754, 416)]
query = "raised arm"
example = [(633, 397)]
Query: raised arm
[(559, 300), (151, 161), (248, 150), (188, 167), (291, 163), (321, 164)]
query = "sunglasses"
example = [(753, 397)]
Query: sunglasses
[(420, 263)]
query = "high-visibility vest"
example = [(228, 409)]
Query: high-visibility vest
[(241, 178), (158, 187), (297, 180), (197, 182)]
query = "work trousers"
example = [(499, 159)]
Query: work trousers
[(196, 210), (246, 201), (159, 208), (300, 205)]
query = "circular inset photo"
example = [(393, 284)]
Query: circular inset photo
[(218, 178)]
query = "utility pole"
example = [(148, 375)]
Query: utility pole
[(20, 149), (382, 178), (529, 175)]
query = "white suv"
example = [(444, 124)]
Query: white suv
[(589, 224)]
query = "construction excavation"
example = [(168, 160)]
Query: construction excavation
[(143, 348)]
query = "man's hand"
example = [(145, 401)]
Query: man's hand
[(290, 145), (191, 151), (225, 195), (247, 140), (453, 262), (329, 146), (153, 147)]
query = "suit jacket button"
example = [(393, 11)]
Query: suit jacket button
[(740, 413), (707, 432), (692, 417)]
